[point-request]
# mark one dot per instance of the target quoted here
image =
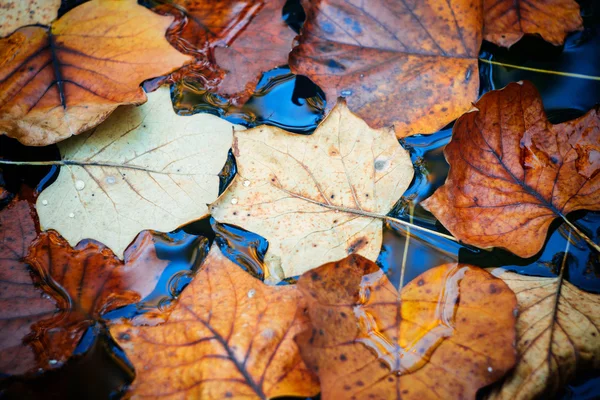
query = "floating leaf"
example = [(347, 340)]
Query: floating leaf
[(507, 21), (315, 198), (228, 336), (413, 66), (368, 341), (17, 13), (512, 172), (144, 168), (59, 81)]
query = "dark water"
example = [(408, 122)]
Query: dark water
[(100, 370)]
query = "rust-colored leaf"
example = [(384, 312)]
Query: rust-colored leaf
[(230, 335), (21, 303), (507, 21), (512, 172), (413, 65), (17, 13), (86, 282), (59, 81), (368, 341)]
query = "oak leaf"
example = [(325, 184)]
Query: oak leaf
[(512, 172), (229, 335), (17, 13), (315, 198), (408, 64), (61, 80), (558, 331), (368, 341), (144, 168), (507, 21)]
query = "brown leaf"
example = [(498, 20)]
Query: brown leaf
[(21, 303), (368, 341), (59, 81), (230, 335), (87, 281), (17, 13), (507, 21), (512, 172), (412, 66)]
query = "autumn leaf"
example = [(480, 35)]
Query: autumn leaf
[(144, 168), (21, 303), (315, 198), (507, 21), (412, 66), (368, 341), (59, 81), (17, 13), (512, 172), (229, 335)]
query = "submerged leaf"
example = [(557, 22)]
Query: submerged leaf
[(315, 198), (368, 341), (17, 13), (512, 172), (59, 81), (228, 336), (144, 168)]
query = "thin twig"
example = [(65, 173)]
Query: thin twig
[(543, 71)]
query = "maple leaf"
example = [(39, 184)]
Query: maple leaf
[(368, 341), (59, 81), (144, 168), (17, 13), (413, 65), (315, 198), (229, 335), (512, 172), (507, 21)]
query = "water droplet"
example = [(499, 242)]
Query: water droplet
[(110, 180), (71, 215), (346, 92), (234, 201), (362, 75), (45, 202), (251, 293), (79, 185), (52, 362), (246, 183), (490, 369)]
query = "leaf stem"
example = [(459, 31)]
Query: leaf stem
[(582, 235), (543, 71)]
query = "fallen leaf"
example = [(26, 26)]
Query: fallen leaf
[(507, 21), (512, 172), (229, 335), (144, 168), (87, 281), (21, 303), (17, 13), (59, 81), (412, 66), (558, 333), (368, 341), (315, 198)]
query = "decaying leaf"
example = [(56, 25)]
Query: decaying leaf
[(21, 303), (558, 334), (413, 65), (86, 282), (368, 341), (17, 13), (512, 172), (507, 21), (315, 198), (229, 335), (144, 168), (59, 81)]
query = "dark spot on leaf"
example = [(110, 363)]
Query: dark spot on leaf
[(343, 357), (421, 282)]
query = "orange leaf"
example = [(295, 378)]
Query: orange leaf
[(506, 21), (512, 172), (368, 341), (17, 13), (414, 67), (59, 81), (230, 335)]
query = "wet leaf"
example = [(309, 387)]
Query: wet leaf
[(413, 66), (315, 198), (512, 172), (87, 281), (21, 303), (144, 168), (17, 13), (368, 341), (230, 335), (507, 21), (558, 333), (59, 81)]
